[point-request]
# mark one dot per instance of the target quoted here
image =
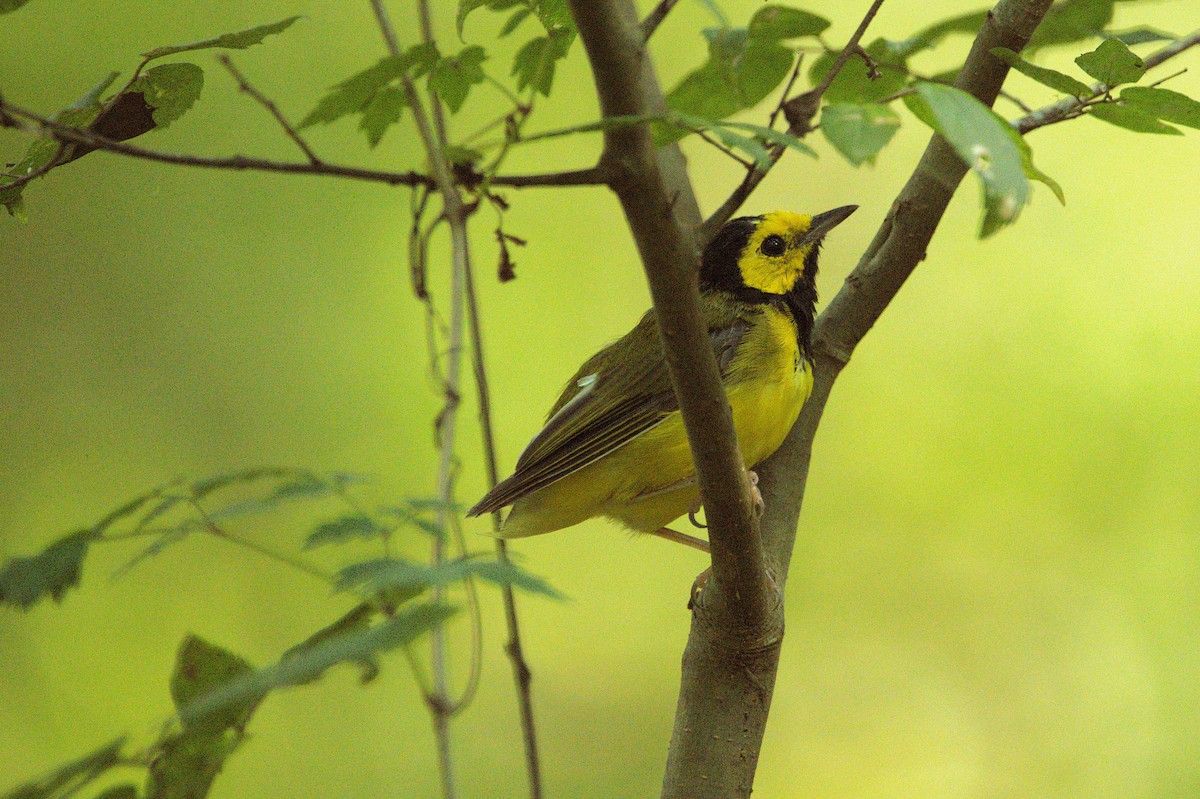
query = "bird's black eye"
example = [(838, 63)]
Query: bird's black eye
[(773, 246)]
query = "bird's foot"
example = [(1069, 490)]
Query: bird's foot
[(755, 495), (692, 511)]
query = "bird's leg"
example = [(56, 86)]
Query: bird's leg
[(681, 538)]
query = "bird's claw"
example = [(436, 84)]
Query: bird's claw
[(755, 495)]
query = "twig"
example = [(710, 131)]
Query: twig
[(799, 111), (522, 675), (650, 24), (266, 103), (236, 162), (1071, 107)]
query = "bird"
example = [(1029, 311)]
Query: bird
[(614, 443)]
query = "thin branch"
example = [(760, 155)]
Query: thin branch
[(1071, 107), (236, 162), (592, 176), (522, 675), (799, 112), (273, 109), (655, 17)]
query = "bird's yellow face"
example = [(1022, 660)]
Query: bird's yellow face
[(774, 256)]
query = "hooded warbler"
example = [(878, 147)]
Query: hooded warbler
[(614, 444)]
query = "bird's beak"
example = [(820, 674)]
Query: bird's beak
[(823, 223)]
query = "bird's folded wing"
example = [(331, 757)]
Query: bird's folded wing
[(602, 411)]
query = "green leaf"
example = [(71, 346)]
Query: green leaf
[(170, 89), (359, 618), (353, 94), (739, 73), (69, 778), (344, 529), (1031, 171), (231, 41), (980, 138), (771, 135), (1163, 104), (381, 113), (411, 516), (1072, 21), (54, 571), (202, 667), (465, 7), (125, 791), (1131, 118), (1056, 80), (1112, 63), (43, 150), (969, 22), (510, 25), (1143, 35), (210, 485), (775, 23), (859, 130), (453, 76), (853, 83), (734, 141), (354, 646), (187, 763), (393, 574), (9, 6), (534, 64)]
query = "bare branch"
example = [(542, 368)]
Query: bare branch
[(655, 17), (236, 162), (266, 103)]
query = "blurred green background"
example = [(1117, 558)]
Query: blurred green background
[(995, 586)]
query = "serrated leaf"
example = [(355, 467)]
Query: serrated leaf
[(452, 77), (52, 572), (9, 6), (230, 41), (1131, 118), (510, 25), (1164, 104), (1072, 21), (1112, 63), (393, 574), (412, 517), (306, 486), (493, 571), (344, 529), (979, 137), (187, 763), (202, 667), (353, 94), (853, 83), (209, 485), (776, 23), (465, 7), (74, 774), (354, 646), (359, 618), (534, 64), (859, 130), (381, 113), (170, 89), (1056, 80), (969, 22)]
